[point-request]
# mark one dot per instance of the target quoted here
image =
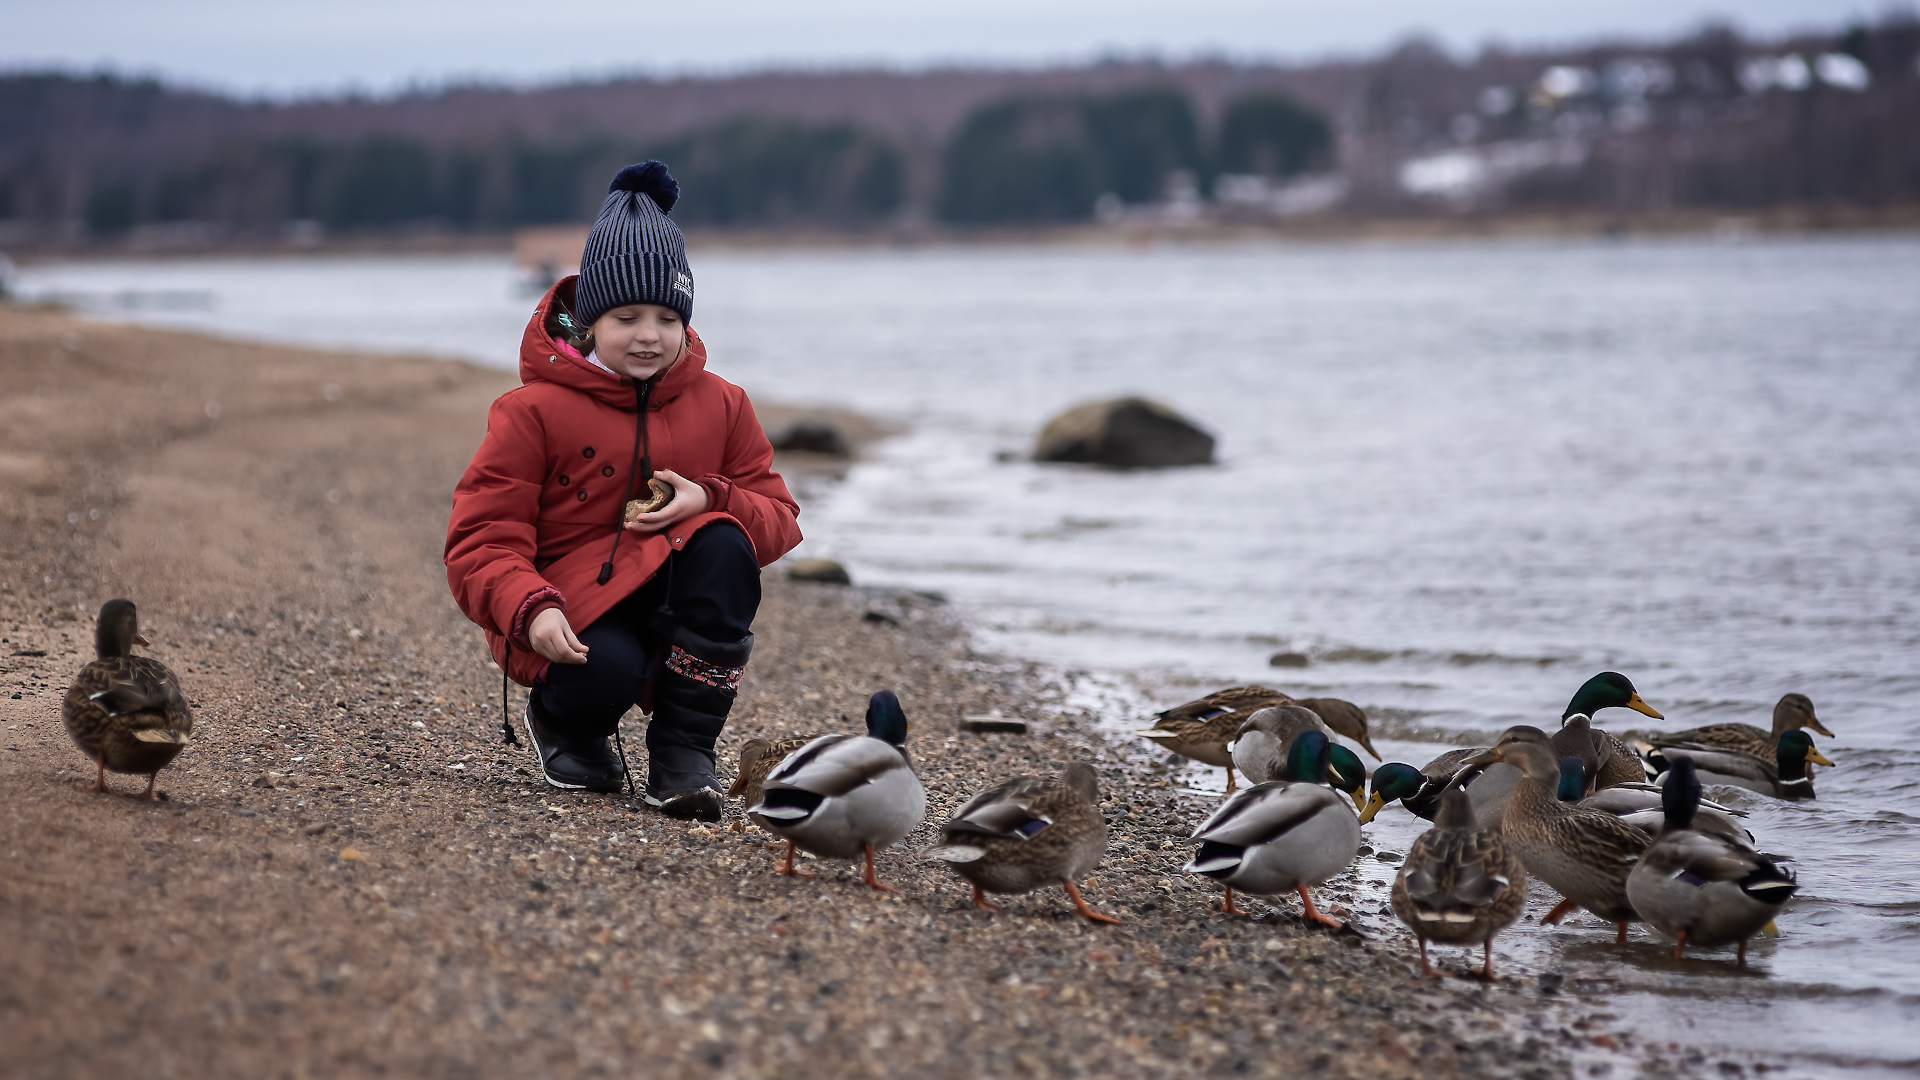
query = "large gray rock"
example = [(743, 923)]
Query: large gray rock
[(825, 571), (1129, 432)]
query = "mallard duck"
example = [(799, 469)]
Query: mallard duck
[(1260, 748), (1582, 853), (841, 796), (1617, 763), (1641, 805), (1201, 729), (1344, 717), (1488, 787), (758, 758), (1792, 712), (126, 712), (1459, 884), (1787, 776), (1702, 888), (1282, 835), (1027, 833)]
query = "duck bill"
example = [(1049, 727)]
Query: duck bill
[(141, 639), (1367, 745), (1814, 723), (1359, 803), (1491, 757), (1818, 758), (1639, 705), (1372, 809)]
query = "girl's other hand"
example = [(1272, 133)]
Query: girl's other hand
[(553, 638), (689, 499)]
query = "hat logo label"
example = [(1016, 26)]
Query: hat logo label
[(683, 283)]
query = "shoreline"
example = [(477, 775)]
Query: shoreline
[(1726, 224), (350, 874)]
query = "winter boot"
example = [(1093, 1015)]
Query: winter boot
[(691, 700), (573, 760)]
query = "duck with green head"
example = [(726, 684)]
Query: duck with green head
[(1283, 835), (1617, 763), (1487, 787), (1788, 776), (845, 796), (1702, 888)]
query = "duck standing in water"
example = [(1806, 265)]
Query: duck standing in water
[(1281, 836), (1581, 853), (1459, 885), (1702, 888), (126, 712), (1027, 833), (1787, 775), (1793, 712), (843, 796)]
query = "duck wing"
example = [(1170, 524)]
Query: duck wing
[(833, 765), (1265, 812), (1011, 809)]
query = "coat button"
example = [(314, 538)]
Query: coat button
[(606, 470), (564, 481), (587, 453), (581, 495)]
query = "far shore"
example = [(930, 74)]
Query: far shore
[(1724, 223)]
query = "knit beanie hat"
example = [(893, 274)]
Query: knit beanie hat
[(635, 253)]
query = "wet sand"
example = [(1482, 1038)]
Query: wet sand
[(351, 876)]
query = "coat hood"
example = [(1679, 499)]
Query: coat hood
[(542, 359)]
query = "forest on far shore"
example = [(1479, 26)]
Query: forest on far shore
[(1709, 121)]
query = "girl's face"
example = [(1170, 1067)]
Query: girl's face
[(639, 340)]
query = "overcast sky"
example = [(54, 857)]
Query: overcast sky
[(275, 47)]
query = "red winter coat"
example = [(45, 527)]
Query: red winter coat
[(534, 517)]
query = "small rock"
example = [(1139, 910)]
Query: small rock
[(1388, 856), (1288, 659), (29, 652), (1127, 432), (812, 435), (880, 617), (994, 725), (824, 571), (249, 813), (315, 829), (348, 854)]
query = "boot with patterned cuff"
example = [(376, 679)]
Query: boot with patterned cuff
[(691, 700)]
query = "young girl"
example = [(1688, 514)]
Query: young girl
[(588, 596)]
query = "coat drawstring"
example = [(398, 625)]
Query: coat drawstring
[(640, 469), (507, 737)]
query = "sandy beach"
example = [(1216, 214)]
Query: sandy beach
[(349, 875)]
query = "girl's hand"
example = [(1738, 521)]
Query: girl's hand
[(689, 499), (553, 638)]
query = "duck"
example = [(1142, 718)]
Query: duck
[(842, 796), (1282, 835), (1641, 805), (1793, 712), (1202, 728), (1582, 853), (1786, 776), (759, 757), (1488, 787), (1460, 883), (1702, 888), (1617, 763), (126, 712), (1259, 749), (1344, 717), (1028, 833)]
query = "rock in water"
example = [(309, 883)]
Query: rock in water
[(1127, 432), (812, 435), (825, 571)]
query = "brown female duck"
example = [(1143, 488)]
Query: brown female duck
[(126, 712)]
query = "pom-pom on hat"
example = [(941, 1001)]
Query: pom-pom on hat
[(635, 253)]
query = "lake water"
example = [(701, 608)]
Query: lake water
[(1460, 477)]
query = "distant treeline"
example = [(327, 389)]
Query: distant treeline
[(1709, 120), (1028, 159)]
